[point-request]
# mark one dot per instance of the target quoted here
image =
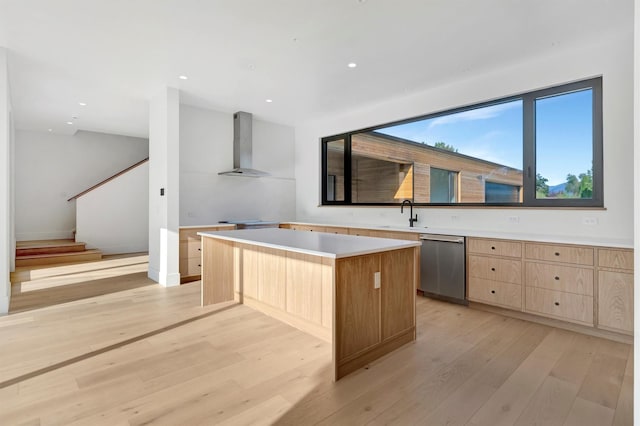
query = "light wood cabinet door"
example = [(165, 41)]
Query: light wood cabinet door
[(357, 306), (615, 301), (566, 306), (615, 259), (559, 277), (559, 253), (494, 247), (496, 269), (397, 292), (495, 293)]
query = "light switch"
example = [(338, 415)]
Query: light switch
[(376, 280)]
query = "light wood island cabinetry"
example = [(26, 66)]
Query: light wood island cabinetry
[(356, 293)]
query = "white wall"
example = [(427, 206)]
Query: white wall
[(206, 148), (6, 179), (636, 191), (51, 168), (164, 165), (612, 58), (114, 217)]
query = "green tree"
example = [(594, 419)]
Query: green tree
[(586, 184), (445, 146), (542, 189), (580, 186), (572, 187)]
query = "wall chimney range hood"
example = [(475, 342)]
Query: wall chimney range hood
[(242, 147)]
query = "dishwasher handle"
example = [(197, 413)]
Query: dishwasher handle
[(442, 238)]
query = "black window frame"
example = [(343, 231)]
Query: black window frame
[(529, 153)]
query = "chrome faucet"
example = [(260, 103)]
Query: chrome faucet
[(411, 218)]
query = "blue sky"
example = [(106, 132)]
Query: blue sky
[(494, 133)]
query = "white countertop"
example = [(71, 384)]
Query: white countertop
[(315, 243), (559, 239)]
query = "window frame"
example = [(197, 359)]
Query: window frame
[(528, 144)]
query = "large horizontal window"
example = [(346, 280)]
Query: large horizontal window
[(542, 148)]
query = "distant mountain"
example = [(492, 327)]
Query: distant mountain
[(556, 189)]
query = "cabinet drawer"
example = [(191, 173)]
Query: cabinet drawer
[(494, 247), (557, 253), (311, 228), (558, 277), (190, 248), (568, 306), (360, 232), (495, 293), (496, 269), (337, 230), (190, 266), (615, 301), (617, 259)]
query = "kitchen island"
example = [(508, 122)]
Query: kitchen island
[(357, 293)]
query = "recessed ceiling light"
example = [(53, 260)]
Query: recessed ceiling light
[(183, 77), (82, 103), (69, 122), (352, 65), (268, 100), (50, 130)]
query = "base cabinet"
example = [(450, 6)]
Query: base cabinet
[(615, 301), (190, 262), (590, 286)]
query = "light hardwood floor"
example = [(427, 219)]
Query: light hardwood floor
[(151, 355)]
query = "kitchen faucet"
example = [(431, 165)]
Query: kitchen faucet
[(411, 218)]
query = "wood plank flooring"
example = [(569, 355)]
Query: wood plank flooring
[(151, 355)]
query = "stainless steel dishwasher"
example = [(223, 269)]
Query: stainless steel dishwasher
[(442, 267)]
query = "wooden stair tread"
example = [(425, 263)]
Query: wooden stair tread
[(73, 253), (43, 243), (55, 258), (37, 249)]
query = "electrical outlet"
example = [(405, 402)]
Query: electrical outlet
[(455, 218), (590, 221), (514, 219), (376, 280), (191, 214)]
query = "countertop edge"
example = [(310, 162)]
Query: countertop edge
[(482, 234), (402, 244)]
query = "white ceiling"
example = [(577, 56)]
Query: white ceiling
[(116, 54)]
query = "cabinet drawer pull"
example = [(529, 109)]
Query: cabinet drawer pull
[(557, 254), (493, 292), (199, 265), (199, 249), (493, 269), (557, 303), (557, 278), (493, 248)]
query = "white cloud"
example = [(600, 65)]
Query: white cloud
[(475, 114)]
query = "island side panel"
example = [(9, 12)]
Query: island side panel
[(289, 286), (398, 298), (355, 324), (217, 271)]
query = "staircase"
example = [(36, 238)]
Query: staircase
[(49, 252)]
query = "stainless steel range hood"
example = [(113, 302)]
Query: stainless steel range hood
[(242, 147)]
